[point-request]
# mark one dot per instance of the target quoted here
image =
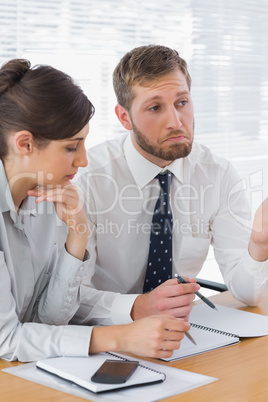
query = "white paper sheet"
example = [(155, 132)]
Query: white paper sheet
[(177, 381)]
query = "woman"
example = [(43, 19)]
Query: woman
[(44, 121)]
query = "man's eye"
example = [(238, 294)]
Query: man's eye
[(183, 103), (154, 108), (71, 149)]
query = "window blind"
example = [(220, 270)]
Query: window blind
[(224, 42)]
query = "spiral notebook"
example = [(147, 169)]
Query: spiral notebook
[(79, 370), (212, 329)]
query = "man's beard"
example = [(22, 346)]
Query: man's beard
[(174, 151)]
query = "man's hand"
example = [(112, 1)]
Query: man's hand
[(258, 244), (170, 298)]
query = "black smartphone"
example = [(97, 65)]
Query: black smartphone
[(114, 371)]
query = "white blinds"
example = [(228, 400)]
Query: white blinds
[(230, 82), (225, 43)]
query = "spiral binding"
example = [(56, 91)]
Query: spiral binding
[(140, 365), (214, 330)]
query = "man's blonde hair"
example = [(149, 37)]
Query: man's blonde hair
[(143, 65)]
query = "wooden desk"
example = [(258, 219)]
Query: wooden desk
[(242, 370)]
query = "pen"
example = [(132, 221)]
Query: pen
[(190, 338), (202, 297)]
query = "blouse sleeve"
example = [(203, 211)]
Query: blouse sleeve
[(33, 341), (60, 298)]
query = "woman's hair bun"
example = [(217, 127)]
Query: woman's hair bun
[(12, 72)]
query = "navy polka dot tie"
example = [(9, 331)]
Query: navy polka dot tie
[(159, 267)]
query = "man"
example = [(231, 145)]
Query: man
[(120, 188)]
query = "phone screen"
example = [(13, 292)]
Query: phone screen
[(114, 371)]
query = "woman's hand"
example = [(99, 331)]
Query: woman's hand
[(154, 336), (258, 244), (70, 210)]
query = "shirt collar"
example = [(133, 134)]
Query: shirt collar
[(6, 200), (145, 171)]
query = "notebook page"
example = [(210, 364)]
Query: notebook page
[(228, 319), (206, 340)]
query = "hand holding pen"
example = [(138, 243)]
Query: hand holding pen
[(202, 297)]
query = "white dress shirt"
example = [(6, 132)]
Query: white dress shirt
[(120, 191), (39, 287)]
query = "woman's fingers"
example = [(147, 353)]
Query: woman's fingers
[(67, 196)]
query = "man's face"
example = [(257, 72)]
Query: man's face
[(162, 119)]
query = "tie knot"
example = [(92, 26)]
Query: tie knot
[(165, 180)]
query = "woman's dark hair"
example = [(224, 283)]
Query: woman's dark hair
[(42, 100)]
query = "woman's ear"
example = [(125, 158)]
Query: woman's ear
[(23, 142), (123, 117)]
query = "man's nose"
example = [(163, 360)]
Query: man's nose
[(174, 119)]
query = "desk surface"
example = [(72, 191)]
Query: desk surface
[(242, 370)]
